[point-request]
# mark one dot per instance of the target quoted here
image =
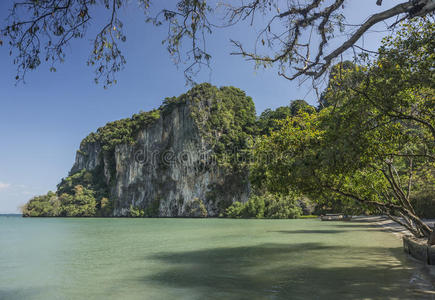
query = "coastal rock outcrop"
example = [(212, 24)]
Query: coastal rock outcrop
[(179, 160)]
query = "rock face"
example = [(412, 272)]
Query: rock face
[(170, 166)]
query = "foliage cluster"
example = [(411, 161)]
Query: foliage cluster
[(122, 131), (135, 212), (196, 208), (269, 119), (151, 210), (226, 119), (80, 203), (269, 206), (91, 180)]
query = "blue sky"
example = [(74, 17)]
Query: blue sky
[(43, 121)]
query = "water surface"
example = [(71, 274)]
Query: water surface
[(71, 258)]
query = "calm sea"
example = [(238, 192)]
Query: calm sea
[(72, 258)]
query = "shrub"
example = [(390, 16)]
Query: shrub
[(81, 204), (234, 210), (196, 208), (254, 207), (42, 206), (105, 207), (268, 206), (283, 207), (136, 212)]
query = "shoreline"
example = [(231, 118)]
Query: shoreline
[(424, 278), (389, 225)]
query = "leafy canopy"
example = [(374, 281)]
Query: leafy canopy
[(374, 145)]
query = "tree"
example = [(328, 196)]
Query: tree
[(374, 147), (269, 119), (336, 72), (267, 205), (81, 204), (338, 157), (42, 206), (295, 36), (299, 106)]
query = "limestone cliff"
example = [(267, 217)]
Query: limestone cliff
[(177, 162)]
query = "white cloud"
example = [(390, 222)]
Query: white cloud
[(4, 185)]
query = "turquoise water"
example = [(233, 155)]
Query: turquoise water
[(203, 259)]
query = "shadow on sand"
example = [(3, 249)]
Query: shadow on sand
[(281, 271), (351, 225)]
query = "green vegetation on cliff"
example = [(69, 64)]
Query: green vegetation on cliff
[(225, 118), (122, 131), (93, 181), (79, 203)]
